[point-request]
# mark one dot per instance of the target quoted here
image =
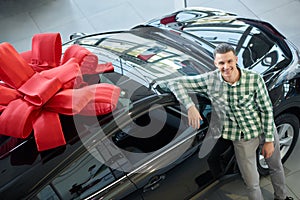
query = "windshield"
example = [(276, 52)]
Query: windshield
[(143, 56)]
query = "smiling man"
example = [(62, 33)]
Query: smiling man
[(245, 114)]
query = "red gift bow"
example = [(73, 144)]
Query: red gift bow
[(32, 99)]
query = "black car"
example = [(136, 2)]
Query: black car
[(145, 149)]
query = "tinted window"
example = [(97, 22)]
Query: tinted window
[(151, 131), (153, 51), (155, 131), (260, 53), (148, 55)]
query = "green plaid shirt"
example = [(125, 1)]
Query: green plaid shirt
[(244, 107)]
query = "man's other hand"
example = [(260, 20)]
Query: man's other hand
[(268, 149)]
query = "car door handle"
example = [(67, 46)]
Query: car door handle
[(154, 183)]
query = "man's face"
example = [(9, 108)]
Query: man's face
[(227, 64)]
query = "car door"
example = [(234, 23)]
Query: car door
[(89, 176), (164, 150)]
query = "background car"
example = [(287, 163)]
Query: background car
[(145, 148)]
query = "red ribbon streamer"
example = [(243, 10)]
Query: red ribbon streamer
[(38, 86)]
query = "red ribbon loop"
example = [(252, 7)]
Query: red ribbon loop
[(44, 89), (11, 66), (33, 99), (8, 95), (42, 136), (46, 51), (87, 60), (16, 119)]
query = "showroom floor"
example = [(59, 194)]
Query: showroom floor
[(20, 20)]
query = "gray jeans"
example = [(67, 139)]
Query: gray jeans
[(245, 152)]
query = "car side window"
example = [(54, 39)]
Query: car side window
[(150, 131), (157, 128), (256, 48), (260, 53)]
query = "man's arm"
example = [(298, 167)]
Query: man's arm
[(267, 118), (180, 88), (266, 110)]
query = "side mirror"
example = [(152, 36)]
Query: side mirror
[(76, 35), (267, 61)]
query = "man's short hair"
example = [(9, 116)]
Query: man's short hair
[(223, 48)]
